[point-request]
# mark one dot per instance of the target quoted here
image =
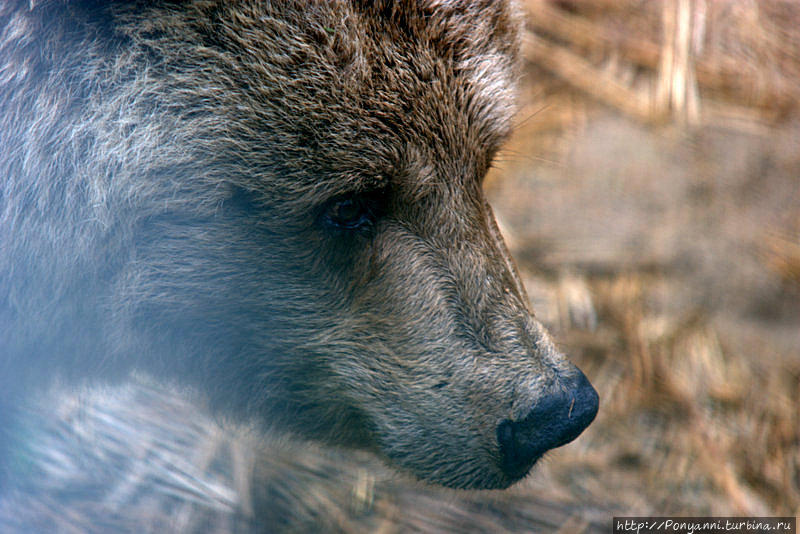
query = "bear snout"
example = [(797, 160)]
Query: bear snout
[(556, 419)]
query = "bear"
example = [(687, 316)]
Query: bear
[(278, 206)]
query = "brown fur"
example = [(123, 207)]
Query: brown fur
[(172, 177)]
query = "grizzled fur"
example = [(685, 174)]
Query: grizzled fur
[(277, 204)]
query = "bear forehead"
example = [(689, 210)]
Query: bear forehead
[(395, 62), (436, 76), (343, 85)]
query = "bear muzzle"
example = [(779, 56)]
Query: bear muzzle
[(557, 418)]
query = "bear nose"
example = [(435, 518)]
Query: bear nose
[(555, 420)]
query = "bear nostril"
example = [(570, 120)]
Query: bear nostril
[(555, 420)]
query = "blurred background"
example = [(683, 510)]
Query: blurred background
[(651, 196)]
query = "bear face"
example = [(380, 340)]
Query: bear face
[(279, 204)]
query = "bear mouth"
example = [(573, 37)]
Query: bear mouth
[(516, 469)]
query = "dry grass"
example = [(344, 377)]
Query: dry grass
[(660, 198)]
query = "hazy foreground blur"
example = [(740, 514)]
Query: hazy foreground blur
[(652, 198)]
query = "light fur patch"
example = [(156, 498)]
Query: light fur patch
[(491, 80)]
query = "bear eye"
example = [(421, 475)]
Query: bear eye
[(349, 213)]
